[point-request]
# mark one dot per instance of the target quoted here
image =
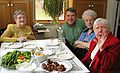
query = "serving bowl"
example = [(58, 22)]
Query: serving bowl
[(40, 57)]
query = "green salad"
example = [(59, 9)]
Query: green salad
[(11, 59)]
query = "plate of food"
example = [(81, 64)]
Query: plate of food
[(64, 55), (12, 57), (56, 66)]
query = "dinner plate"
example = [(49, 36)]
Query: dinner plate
[(53, 42), (15, 45), (66, 63), (48, 52), (30, 46), (64, 55), (26, 67)]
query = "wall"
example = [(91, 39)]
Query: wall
[(111, 12), (70, 3)]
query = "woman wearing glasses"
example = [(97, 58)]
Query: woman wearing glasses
[(19, 31)]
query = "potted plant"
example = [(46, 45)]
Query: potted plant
[(54, 8)]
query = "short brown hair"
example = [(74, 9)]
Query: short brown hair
[(71, 9)]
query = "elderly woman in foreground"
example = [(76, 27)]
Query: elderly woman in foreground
[(19, 31), (103, 55)]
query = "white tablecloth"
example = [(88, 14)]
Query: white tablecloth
[(78, 66)]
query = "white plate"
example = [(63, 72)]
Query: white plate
[(15, 45), (64, 55), (53, 42), (67, 65), (48, 52), (30, 46), (26, 67)]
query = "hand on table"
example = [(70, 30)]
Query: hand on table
[(79, 46), (22, 39)]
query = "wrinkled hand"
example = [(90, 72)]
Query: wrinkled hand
[(77, 42), (79, 46), (101, 43), (22, 39)]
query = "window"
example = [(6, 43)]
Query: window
[(40, 15)]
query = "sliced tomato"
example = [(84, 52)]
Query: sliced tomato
[(21, 57)]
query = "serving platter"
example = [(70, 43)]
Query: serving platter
[(6, 70)]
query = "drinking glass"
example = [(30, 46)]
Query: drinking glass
[(21, 34)]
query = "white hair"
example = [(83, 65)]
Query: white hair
[(102, 21), (17, 12), (89, 13)]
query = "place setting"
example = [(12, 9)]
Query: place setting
[(12, 45)]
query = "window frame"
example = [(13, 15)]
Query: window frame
[(48, 21)]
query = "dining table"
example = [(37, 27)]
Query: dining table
[(59, 51)]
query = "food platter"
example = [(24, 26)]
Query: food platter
[(64, 55), (12, 57), (66, 64)]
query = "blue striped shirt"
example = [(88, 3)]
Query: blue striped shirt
[(86, 37)]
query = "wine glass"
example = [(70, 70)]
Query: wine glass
[(20, 35)]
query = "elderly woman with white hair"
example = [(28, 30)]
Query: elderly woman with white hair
[(19, 31), (103, 55), (82, 44)]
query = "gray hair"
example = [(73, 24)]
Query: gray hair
[(17, 12), (89, 13), (102, 21)]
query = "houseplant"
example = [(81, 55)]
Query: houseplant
[(54, 8)]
